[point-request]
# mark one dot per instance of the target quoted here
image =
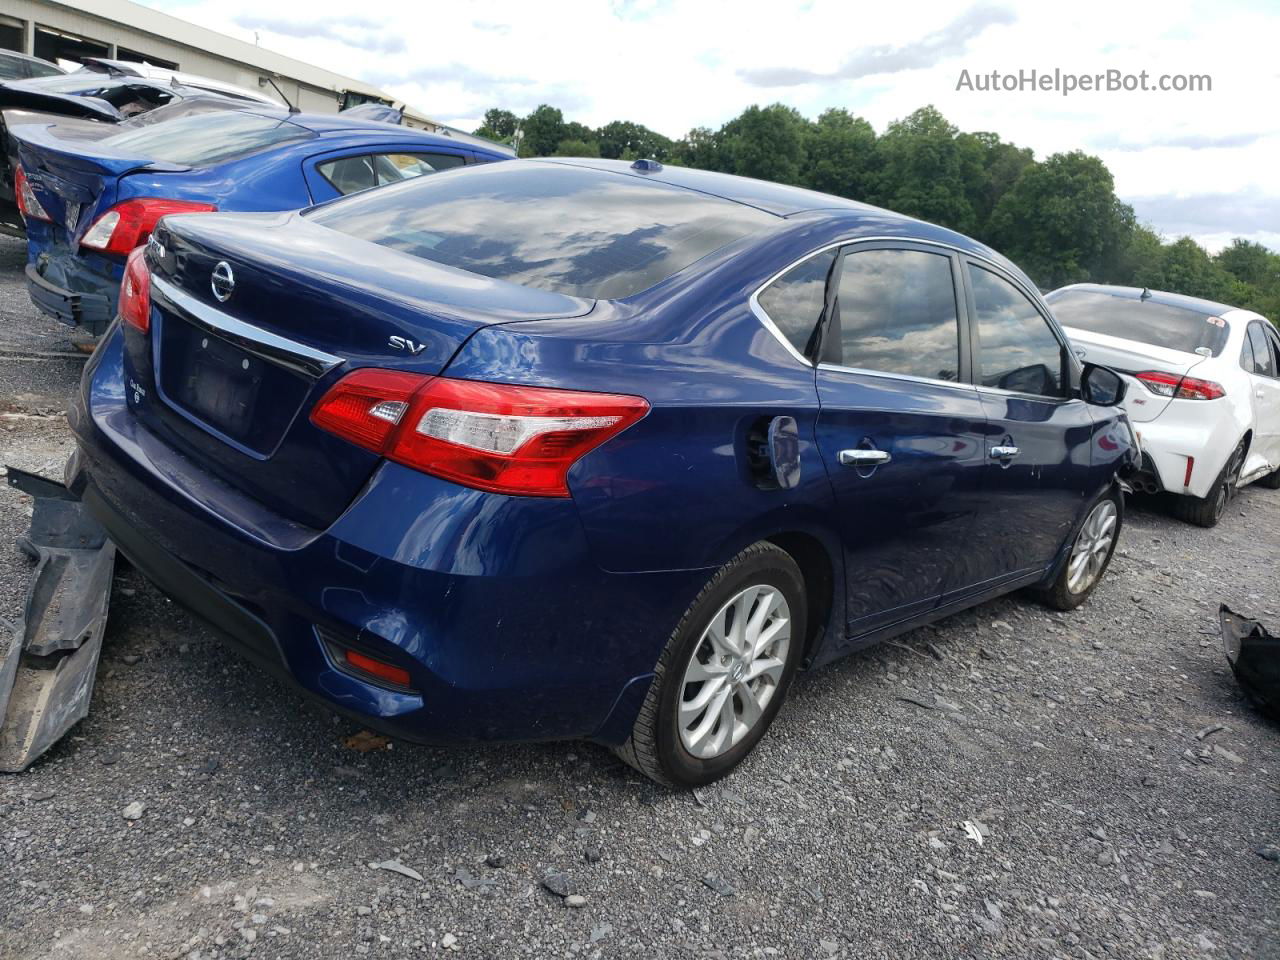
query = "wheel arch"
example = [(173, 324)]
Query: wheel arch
[(817, 567)]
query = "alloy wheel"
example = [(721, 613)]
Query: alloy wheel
[(734, 671), (1092, 547)]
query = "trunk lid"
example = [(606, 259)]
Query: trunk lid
[(1129, 357), (75, 177), (230, 381)]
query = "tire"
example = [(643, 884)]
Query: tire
[(1207, 511), (1066, 592), (657, 746)]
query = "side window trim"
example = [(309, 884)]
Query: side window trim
[(1269, 332), (1272, 351), (1069, 372)]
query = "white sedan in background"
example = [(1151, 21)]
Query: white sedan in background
[(1204, 388)]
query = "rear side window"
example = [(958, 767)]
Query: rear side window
[(1017, 350), (353, 174), (204, 139), (1157, 324), (896, 313), (1264, 364), (795, 300), (559, 227)]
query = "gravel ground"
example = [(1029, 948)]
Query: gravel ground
[(1123, 790)]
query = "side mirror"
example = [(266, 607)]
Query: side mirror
[(1102, 386)]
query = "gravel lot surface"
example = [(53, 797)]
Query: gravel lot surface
[(1120, 793)]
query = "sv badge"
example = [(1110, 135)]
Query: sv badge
[(404, 343)]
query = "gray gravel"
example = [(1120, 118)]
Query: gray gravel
[(1123, 791)]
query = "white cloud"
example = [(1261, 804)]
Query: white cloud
[(676, 64)]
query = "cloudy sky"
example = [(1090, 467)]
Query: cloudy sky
[(1200, 163)]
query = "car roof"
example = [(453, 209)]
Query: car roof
[(336, 124), (17, 55), (1197, 304)]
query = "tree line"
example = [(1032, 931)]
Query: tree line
[(1058, 218)]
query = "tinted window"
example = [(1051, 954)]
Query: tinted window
[(12, 68), (1263, 362), (353, 174), (897, 313), (1145, 321), (203, 139), (795, 300), (1016, 348), (552, 226)]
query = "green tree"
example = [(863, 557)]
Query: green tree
[(700, 148), (927, 171), (622, 139), (498, 125), (840, 155), (543, 131), (1250, 262), (1061, 221), (766, 142), (1186, 267), (998, 166), (577, 148)]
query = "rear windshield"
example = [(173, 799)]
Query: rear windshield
[(571, 230), (205, 138), (1158, 324)]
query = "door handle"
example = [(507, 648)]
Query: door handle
[(863, 458), (1004, 453)]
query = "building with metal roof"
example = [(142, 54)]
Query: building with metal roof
[(121, 30)]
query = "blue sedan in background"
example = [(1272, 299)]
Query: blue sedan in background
[(583, 449), (91, 193)]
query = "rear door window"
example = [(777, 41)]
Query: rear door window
[(896, 313), (794, 302), (1017, 349), (205, 139), (352, 174), (1264, 364)]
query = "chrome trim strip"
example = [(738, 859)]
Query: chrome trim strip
[(261, 343), (1001, 392), (910, 378)]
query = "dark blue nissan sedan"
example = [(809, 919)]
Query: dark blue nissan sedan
[(557, 449)]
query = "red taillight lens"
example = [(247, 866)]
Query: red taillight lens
[(1180, 388), (28, 203), (129, 224), (135, 291), (377, 668), (491, 436)]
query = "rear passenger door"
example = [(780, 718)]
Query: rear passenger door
[(1265, 382), (899, 430), (341, 173), (1039, 435)]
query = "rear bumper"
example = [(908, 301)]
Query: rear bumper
[(92, 311), (508, 628), (1199, 439)]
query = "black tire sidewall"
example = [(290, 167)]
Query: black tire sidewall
[(773, 568)]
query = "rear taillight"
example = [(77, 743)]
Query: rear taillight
[(1180, 388), (135, 291), (491, 436), (29, 204), (129, 224)]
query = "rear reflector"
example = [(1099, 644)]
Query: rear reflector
[(491, 436), (129, 224), (376, 668), (28, 203), (135, 292), (1180, 388), (1191, 465)]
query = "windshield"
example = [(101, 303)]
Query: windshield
[(1157, 324), (204, 138), (568, 229)]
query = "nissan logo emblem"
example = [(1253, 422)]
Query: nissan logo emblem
[(223, 281)]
